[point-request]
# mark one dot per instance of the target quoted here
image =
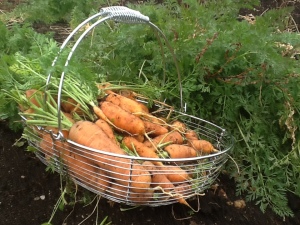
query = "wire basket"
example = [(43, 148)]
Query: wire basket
[(125, 178)]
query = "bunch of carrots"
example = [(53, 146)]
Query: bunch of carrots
[(118, 148)]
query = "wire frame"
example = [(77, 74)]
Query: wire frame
[(125, 178)]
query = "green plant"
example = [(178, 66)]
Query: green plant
[(234, 73)]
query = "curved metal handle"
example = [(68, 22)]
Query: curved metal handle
[(119, 14), (124, 14)]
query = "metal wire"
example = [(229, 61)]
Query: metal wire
[(102, 172), (92, 168)]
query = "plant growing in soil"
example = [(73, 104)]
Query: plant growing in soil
[(237, 73)]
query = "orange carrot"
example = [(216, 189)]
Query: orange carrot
[(33, 96), (102, 86), (140, 148), (122, 119), (83, 170), (71, 106), (202, 146), (178, 125), (46, 146), (141, 198), (125, 103), (180, 151), (175, 173), (161, 181), (172, 137), (191, 135), (123, 170), (107, 129), (154, 129)]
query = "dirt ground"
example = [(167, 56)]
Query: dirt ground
[(28, 194)]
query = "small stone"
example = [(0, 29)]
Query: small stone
[(229, 203), (42, 197), (239, 204), (222, 194)]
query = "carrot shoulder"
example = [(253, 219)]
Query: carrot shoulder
[(128, 104), (172, 137), (122, 119), (140, 148), (202, 146), (180, 151), (123, 170)]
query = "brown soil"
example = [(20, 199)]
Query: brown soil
[(24, 182)]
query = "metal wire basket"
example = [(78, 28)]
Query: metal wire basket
[(117, 177)]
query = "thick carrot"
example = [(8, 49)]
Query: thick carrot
[(83, 170), (46, 146), (154, 129), (51, 147), (202, 146), (172, 137), (122, 119), (140, 148), (125, 103), (123, 170), (180, 151)]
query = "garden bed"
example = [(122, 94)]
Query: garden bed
[(28, 194)]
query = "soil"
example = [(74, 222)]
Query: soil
[(28, 193)]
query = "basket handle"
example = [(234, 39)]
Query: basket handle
[(118, 14)]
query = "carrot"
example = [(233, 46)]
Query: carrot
[(191, 135), (123, 170), (118, 192), (125, 103), (175, 173), (154, 129), (178, 125), (172, 137), (149, 166), (34, 96), (107, 129), (160, 181), (71, 106), (140, 148), (122, 119), (183, 191), (103, 86), (141, 198), (46, 146), (202, 146), (151, 118), (83, 170), (180, 151), (69, 117)]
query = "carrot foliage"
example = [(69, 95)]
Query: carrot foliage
[(237, 72)]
